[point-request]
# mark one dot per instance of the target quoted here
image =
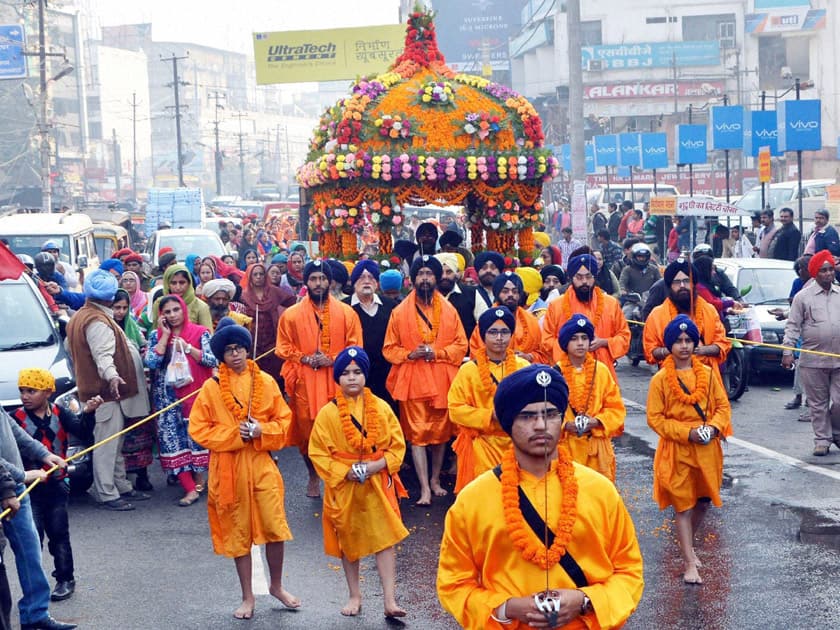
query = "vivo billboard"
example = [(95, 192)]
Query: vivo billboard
[(629, 149), (606, 150), (654, 150), (566, 157), (589, 158), (760, 131), (691, 144), (799, 125), (727, 127)]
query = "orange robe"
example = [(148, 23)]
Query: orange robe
[(595, 449), (612, 326), (712, 330), (298, 334), (481, 442), (421, 386), (683, 471), (527, 337), (479, 568), (245, 489), (358, 519)]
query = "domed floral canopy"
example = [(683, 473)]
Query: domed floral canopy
[(422, 134)]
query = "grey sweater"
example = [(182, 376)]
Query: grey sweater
[(15, 442)]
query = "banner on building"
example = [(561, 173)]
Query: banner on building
[(326, 55), (12, 59), (650, 55), (474, 34), (651, 89), (785, 20)]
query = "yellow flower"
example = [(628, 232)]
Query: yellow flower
[(352, 212), (427, 98)]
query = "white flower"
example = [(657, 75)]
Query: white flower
[(469, 128)]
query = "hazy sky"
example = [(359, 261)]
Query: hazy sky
[(230, 26)]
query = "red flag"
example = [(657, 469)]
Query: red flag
[(10, 265)]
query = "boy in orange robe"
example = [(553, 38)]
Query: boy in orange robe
[(357, 448), (596, 411), (481, 441), (493, 559), (239, 417), (425, 343), (527, 341), (690, 412), (310, 335), (713, 345), (612, 335)]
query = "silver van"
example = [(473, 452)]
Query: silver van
[(641, 194)]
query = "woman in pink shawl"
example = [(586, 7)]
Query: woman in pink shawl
[(130, 281), (260, 296), (180, 456)]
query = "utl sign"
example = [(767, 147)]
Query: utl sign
[(764, 170)]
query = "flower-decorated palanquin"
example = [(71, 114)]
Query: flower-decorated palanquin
[(422, 134)]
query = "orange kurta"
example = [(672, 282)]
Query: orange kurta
[(298, 335), (359, 519), (611, 326), (527, 337), (712, 330), (481, 442), (683, 471), (421, 386), (254, 514), (479, 568), (595, 449)]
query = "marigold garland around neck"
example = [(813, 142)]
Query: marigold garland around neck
[(701, 376), (429, 336), (323, 320), (370, 423), (566, 305), (240, 410), (696, 316), (522, 536), (482, 361), (579, 397)]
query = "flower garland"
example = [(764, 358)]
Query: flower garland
[(324, 316), (240, 412), (701, 376), (370, 423), (429, 336), (696, 316), (599, 306), (483, 364), (522, 536), (578, 396)]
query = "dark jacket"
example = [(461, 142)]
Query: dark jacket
[(464, 303), (786, 245), (827, 239)]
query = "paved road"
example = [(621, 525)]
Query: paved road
[(155, 567)]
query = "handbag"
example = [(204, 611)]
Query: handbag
[(178, 371)]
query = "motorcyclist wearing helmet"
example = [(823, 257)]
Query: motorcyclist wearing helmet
[(45, 267), (721, 284), (641, 273), (53, 248), (29, 263)]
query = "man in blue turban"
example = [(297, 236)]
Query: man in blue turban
[(478, 538), (488, 265)]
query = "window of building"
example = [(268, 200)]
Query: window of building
[(707, 27), (656, 20), (95, 130), (590, 33)]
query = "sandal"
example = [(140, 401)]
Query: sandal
[(186, 501)]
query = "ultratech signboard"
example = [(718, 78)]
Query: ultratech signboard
[(328, 55), (651, 89)]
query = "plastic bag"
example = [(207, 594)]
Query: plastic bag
[(751, 325), (178, 371)]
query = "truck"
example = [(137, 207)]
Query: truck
[(175, 208)]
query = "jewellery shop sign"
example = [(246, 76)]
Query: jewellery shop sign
[(697, 206)]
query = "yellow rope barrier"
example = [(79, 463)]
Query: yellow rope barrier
[(110, 438), (768, 345)]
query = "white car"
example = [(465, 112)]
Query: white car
[(185, 242)]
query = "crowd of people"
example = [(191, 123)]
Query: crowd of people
[(503, 371)]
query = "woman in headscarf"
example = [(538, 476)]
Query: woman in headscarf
[(193, 262), (551, 255), (138, 300), (293, 278), (138, 443), (264, 303), (177, 280), (206, 273), (179, 454)]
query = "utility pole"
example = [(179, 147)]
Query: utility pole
[(240, 116), (216, 96), (576, 136), (175, 85), (43, 127), (117, 166), (134, 147)]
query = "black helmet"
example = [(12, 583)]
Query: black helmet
[(44, 264)]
